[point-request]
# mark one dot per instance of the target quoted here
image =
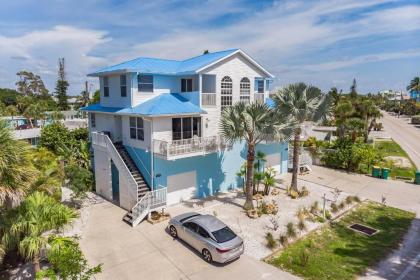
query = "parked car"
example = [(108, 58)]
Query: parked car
[(207, 234)]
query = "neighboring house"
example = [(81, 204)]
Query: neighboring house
[(415, 94), (155, 134), (394, 95)]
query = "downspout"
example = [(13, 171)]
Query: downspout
[(152, 147)]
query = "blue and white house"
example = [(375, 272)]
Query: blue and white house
[(155, 133)]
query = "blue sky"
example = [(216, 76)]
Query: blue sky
[(324, 43)]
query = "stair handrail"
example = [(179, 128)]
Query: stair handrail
[(106, 141), (138, 157), (150, 199)]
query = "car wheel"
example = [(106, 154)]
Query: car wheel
[(207, 256), (173, 232)]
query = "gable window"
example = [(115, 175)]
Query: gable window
[(226, 92), (123, 85), (136, 128), (260, 86), (186, 128), (186, 85), (92, 120), (245, 90), (106, 87), (145, 83)]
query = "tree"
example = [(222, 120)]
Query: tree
[(269, 179), (414, 84), (96, 97), (369, 112), (54, 137), (25, 227), (83, 99), (335, 95), (67, 260), (80, 180), (30, 84), (16, 172), (61, 86), (206, 52), (253, 123), (298, 103), (353, 90), (342, 112)]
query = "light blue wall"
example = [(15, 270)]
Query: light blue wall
[(215, 172), (193, 97)]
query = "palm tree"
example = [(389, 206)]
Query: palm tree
[(269, 179), (253, 123), (24, 228), (83, 99), (343, 111), (355, 126), (298, 103), (242, 174), (414, 84), (16, 171)]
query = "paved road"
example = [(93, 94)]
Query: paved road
[(405, 134), (403, 264)]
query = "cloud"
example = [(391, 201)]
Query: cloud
[(348, 62), (39, 50)]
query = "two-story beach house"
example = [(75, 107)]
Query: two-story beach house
[(155, 133)]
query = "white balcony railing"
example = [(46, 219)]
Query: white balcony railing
[(188, 146), (208, 99), (259, 97)]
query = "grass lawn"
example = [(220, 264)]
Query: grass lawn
[(336, 252), (391, 148)]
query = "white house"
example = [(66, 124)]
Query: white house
[(155, 134)]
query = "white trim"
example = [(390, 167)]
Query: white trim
[(235, 52)]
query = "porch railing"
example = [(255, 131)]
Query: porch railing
[(102, 140), (208, 99), (188, 146), (150, 201), (259, 97)]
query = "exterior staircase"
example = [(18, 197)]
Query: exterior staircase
[(143, 188)]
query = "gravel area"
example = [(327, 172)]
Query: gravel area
[(228, 208)]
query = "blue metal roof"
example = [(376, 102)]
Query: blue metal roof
[(164, 104), (99, 108), (166, 66)]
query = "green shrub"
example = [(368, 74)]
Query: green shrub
[(356, 199), (341, 205), (290, 230), (334, 207), (304, 257), (328, 215), (314, 208), (271, 242), (301, 225), (283, 239), (303, 192), (319, 219), (349, 200)]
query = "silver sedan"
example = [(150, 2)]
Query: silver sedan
[(207, 234)]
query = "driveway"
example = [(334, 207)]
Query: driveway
[(403, 264), (149, 252)]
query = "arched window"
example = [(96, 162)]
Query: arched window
[(226, 92), (245, 90)]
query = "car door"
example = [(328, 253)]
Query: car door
[(190, 233), (203, 238)]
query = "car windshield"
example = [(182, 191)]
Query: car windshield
[(189, 217), (223, 235)]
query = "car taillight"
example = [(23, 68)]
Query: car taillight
[(222, 250)]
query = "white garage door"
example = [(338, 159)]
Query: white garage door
[(181, 187), (274, 161)]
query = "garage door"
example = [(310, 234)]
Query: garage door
[(181, 187), (274, 161)]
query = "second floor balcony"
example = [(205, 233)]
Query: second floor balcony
[(189, 147)]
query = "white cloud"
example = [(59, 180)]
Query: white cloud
[(39, 50)]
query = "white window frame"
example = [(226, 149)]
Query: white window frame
[(138, 128), (226, 90), (245, 90), (143, 83)]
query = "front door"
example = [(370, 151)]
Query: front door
[(115, 184)]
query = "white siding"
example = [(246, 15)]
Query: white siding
[(181, 187), (145, 145), (236, 67), (107, 122), (114, 99), (162, 128), (103, 178)]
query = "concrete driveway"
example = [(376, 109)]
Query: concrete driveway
[(149, 252)]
